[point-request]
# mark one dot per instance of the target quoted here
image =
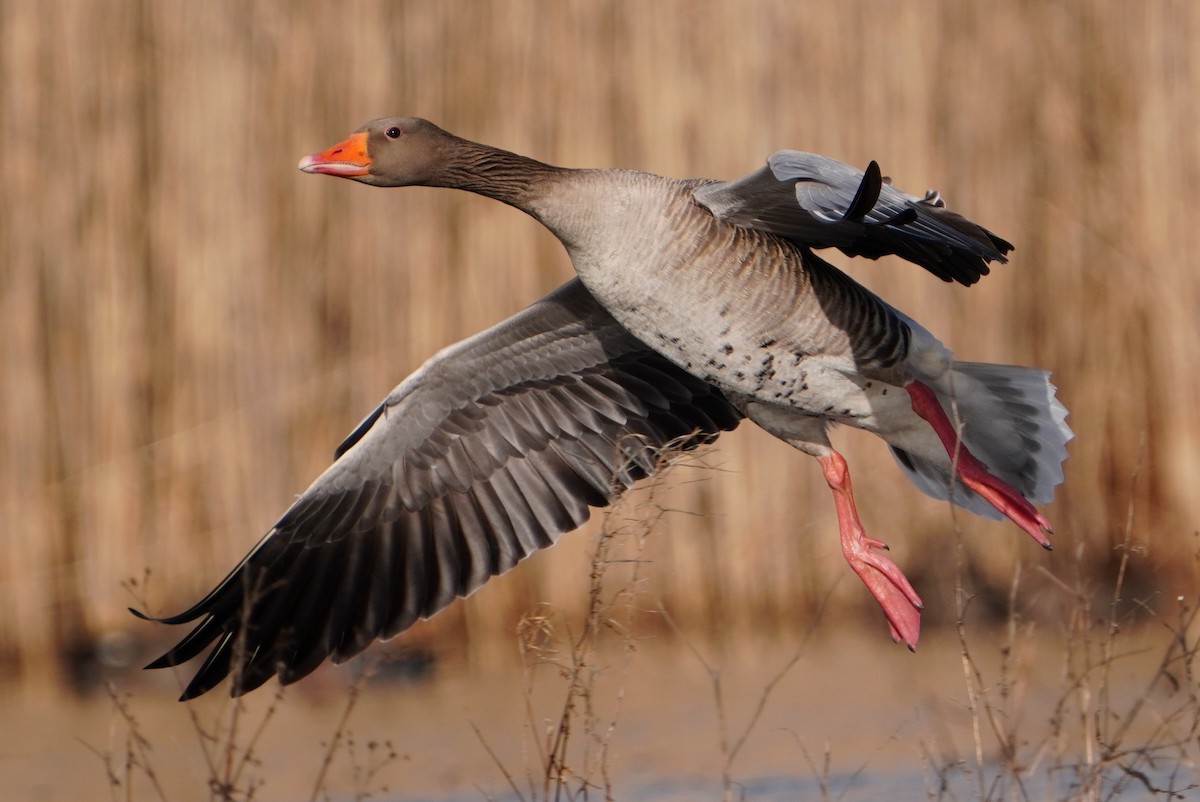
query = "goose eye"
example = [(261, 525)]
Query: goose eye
[(392, 133)]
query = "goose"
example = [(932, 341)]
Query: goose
[(697, 303)]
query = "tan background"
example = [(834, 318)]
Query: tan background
[(188, 325)]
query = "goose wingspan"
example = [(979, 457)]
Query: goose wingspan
[(820, 202), (491, 450)]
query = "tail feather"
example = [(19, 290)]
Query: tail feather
[(1012, 421)]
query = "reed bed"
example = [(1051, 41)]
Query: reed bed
[(188, 325)]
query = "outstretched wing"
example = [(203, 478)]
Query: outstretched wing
[(819, 202), (493, 449)]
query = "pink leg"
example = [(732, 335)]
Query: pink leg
[(974, 474), (883, 578)]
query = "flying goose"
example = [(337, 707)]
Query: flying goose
[(697, 303)]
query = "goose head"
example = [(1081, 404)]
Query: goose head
[(388, 152)]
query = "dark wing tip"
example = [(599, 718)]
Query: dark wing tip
[(1003, 246), (867, 194), (956, 250), (923, 231)]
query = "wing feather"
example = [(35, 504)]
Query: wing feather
[(490, 451), (819, 202)]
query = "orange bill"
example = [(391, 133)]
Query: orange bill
[(347, 158)]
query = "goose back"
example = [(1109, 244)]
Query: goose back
[(743, 308)]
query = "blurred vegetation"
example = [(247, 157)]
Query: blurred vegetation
[(188, 325)]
